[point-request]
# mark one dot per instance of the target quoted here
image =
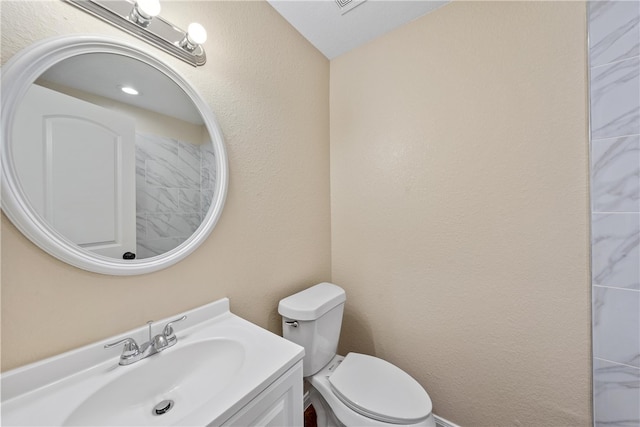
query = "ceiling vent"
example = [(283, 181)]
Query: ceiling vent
[(348, 5)]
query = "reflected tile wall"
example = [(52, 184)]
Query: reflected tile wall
[(179, 224), (169, 178), (152, 247), (207, 177), (614, 56)]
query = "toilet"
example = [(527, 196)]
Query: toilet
[(353, 390)]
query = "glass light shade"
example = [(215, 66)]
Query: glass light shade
[(196, 34), (148, 8)]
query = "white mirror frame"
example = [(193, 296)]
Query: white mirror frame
[(17, 76)]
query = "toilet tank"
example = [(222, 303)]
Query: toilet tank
[(312, 318)]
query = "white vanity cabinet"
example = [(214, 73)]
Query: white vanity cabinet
[(223, 371), (279, 405)]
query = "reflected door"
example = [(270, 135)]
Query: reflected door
[(76, 164)]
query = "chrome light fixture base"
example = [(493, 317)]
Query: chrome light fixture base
[(157, 31)]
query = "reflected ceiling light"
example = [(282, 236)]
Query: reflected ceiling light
[(144, 11), (129, 90), (195, 36)]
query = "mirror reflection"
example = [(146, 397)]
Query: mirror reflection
[(114, 156)]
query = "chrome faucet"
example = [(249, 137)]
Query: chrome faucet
[(131, 352)]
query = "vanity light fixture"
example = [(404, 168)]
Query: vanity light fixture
[(142, 19), (144, 11), (196, 35)]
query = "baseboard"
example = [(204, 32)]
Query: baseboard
[(441, 422), (306, 400)]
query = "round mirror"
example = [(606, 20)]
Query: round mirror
[(111, 161)]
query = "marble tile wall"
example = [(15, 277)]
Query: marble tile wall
[(208, 177), (614, 55), (171, 178)]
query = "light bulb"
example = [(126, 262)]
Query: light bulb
[(196, 34), (148, 8)]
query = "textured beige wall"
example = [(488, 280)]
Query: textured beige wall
[(460, 211), (269, 89)]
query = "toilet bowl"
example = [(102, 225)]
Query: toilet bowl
[(352, 390)]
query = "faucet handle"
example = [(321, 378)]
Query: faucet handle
[(168, 329), (130, 349), (160, 342)]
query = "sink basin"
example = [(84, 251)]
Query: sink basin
[(189, 376), (220, 363)]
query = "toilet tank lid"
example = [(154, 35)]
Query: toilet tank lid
[(313, 302)]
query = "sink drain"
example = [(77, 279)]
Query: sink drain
[(163, 407)]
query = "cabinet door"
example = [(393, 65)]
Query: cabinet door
[(278, 415), (280, 405)]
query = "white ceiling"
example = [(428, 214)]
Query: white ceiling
[(332, 33), (103, 74)]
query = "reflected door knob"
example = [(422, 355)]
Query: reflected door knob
[(128, 255)]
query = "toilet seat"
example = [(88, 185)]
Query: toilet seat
[(379, 390)]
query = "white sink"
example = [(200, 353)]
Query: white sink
[(218, 365), (188, 375)]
